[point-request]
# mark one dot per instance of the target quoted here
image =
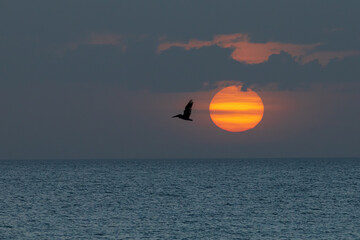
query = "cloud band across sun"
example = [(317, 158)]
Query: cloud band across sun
[(249, 52)]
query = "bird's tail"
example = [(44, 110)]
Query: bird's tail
[(175, 116)]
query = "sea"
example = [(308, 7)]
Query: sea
[(180, 199)]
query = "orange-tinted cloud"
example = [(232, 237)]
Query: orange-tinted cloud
[(191, 44), (249, 52), (254, 53)]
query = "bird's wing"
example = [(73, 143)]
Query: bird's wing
[(188, 107)]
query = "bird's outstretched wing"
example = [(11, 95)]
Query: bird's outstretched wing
[(187, 110)]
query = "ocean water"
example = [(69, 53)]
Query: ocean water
[(180, 199)]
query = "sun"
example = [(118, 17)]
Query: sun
[(235, 110)]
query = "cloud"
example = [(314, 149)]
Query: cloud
[(109, 39), (248, 52), (105, 39), (100, 58), (333, 30), (194, 43), (324, 57), (254, 53)]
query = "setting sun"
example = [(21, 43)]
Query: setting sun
[(236, 111)]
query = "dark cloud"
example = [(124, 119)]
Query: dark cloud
[(92, 41), (244, 88), (140, 66)]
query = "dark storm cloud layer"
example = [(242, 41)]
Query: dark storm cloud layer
[(140, 67), (117, 41)]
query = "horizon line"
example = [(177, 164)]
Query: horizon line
[(184, 158)]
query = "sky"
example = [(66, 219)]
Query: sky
[(101, 79)]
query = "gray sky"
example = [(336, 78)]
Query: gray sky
[(100, 79)]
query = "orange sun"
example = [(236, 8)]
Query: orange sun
[(236, 111)]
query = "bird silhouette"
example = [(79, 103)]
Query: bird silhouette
[(187, 112)]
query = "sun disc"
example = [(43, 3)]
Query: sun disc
[(236, 111)]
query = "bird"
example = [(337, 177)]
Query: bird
[(187, 112)]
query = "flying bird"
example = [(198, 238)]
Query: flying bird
[(187, 112)]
